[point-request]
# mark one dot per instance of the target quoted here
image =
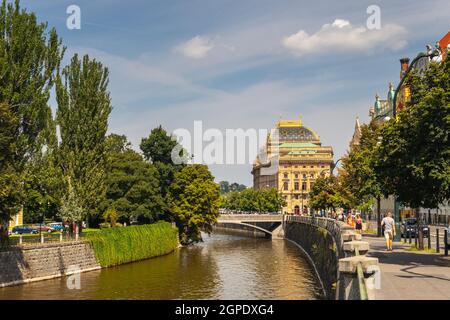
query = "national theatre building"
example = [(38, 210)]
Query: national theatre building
[(291, 162)]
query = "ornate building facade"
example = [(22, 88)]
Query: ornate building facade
[(296, 158)]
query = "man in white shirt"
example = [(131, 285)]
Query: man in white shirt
[(389, 230)]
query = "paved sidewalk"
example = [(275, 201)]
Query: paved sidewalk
[(410, 275)]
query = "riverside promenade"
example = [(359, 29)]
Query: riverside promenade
[(407, 275)]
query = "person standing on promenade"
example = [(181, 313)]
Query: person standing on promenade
[(389, 230), (358, 223)]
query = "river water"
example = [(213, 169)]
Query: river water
[(224, 266)]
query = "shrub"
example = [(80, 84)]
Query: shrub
[(116, 246), (104, 225)]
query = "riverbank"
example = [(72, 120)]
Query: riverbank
[(223, 266), (105, 248), (117, 246)]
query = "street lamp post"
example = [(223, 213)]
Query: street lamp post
[(394, 114)]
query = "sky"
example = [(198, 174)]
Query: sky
[(245, 64)]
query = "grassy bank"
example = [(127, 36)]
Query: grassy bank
[(121, 245)]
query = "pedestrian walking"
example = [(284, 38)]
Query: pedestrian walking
[(358, 223), (389, 230), (350, 220)]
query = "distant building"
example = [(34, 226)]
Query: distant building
[(297, 160), (16, 220)]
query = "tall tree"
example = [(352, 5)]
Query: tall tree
[(358, 173), (133, 187), (413, 159), (194, 202), (158, 148), (30, 54), (84, 106)]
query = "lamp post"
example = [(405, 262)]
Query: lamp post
[(394, 114)]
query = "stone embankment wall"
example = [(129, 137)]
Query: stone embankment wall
[(337, 254), (45, 261)]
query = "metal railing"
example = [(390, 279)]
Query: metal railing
[(40, 239), (250, 217)]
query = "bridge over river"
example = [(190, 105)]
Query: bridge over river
[(268, 224)]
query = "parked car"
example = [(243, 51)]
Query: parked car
[(409, 227), (24, 230), (58, 226), (43, 228)]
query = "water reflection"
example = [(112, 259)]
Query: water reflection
[(225, 266)]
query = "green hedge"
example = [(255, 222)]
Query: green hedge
[(121, 245)]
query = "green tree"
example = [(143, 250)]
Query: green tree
[(224, 187), (413, 159), (42, 189), (261, 200), (29, 58), (133, 187), (358, 173), (83, 109), (324, 194), (194, 202), (112, 215), (158, 148)]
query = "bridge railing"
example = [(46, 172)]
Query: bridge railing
[(251, 217)]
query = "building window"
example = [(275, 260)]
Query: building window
[(296, 176), (304, 176), (286, 186), (304, 186), (311, 185), (285, 175), (296, 185)]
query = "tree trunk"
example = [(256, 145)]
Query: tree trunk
[(379, 216), (420, 226), (3, 234)]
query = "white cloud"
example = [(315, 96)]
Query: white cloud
[(342, 36), (196, 48)]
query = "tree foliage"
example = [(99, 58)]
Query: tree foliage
[(83, 109), (413, 160), (194, 200), (133, 187), (30, 54), (226, 187), (330, 193), (260, 200), (157, 148), (358, 173)]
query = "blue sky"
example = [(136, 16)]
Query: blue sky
[(243, 64)]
